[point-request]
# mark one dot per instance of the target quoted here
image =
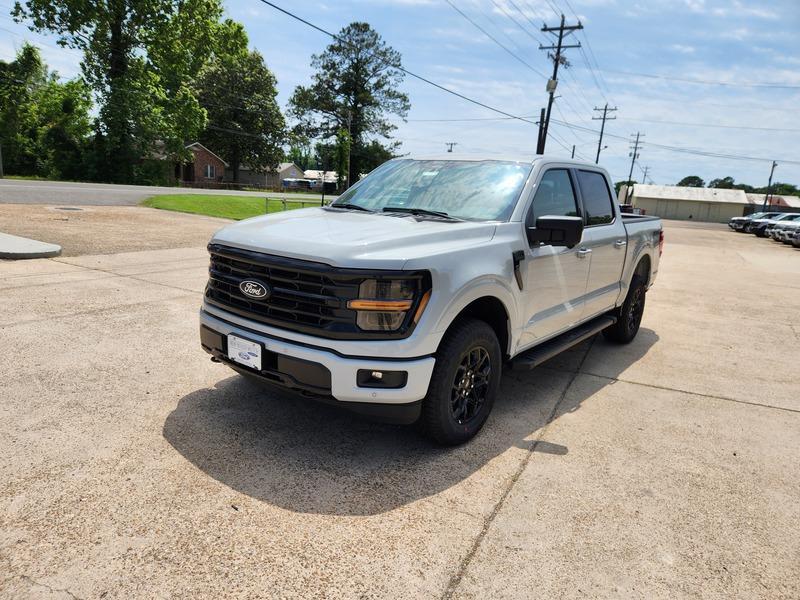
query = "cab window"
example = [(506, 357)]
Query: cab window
[(597, 202), (554, 196)]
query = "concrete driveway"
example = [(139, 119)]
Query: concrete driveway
[(63, 193), (134, 467)]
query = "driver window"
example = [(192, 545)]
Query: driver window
[(554, 196)]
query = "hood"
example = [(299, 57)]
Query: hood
[(350, 238)]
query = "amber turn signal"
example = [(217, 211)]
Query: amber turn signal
[(380, 305)]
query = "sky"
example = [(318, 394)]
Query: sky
[(630, 56)]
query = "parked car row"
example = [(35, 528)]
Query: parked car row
[(781, 227)]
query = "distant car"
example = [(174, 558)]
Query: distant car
[(739, 223), (759, 226), (784, 230), (796, 240)]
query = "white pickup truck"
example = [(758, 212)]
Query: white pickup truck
[(406, 297)]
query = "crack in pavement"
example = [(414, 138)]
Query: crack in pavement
[(456, 579), (48, 587), (115, 274), (672, 389), (95, 310)]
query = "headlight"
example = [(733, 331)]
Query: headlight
[(382, 304)]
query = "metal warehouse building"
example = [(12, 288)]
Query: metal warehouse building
[(702, 204)]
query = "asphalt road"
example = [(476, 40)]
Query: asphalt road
[(61, 193), (133, 467)]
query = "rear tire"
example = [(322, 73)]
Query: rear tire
[(629, 315), (464, 383)]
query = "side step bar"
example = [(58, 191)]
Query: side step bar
[(537, 355)]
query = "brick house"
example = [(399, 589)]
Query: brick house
[(205, 166)]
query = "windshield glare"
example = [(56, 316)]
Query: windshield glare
[(472, 190)]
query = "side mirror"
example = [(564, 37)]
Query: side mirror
[(556, 231)]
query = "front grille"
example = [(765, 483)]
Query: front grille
[(306, 296)]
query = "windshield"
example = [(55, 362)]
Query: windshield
[(472, 190)]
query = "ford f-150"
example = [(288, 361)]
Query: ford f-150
[(407, 296)]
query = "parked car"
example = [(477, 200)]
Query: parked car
[(796, 239), (759, 226), (784, 230), (405, 298), (739, 223)]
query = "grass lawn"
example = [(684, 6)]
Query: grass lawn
[(227, 207)]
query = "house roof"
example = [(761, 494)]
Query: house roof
[(691, 194), (199, 145), (316, 174), (782, 201)]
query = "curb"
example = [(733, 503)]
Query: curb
[(15, 247)]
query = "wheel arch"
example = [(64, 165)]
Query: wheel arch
[(643, 268), (492, 311)]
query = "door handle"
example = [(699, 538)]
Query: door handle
[(583, 252), (620, 243)]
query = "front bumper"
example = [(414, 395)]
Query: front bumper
[(343, 369)]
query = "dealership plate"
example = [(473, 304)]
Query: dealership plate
[(244, 352)]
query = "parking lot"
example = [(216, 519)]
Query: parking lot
[(132, 466)]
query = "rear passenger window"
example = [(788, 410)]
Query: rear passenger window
[(554, 196), (597, 202)]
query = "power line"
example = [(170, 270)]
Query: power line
[(720, 126), (494, 39), (402, 69), (707, 153), (706, 81)]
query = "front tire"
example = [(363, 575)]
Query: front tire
[(629, 315), (464, 383)]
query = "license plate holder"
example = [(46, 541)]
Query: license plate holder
[(245, 352)]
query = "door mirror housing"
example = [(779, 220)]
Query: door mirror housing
[(556, 231)]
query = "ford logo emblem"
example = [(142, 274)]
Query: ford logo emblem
[(254, 289)]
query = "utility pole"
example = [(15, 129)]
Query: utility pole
[(573, 151), (450, 145), (768, 195), (558, 59), (634, 154), (644, 174), (604, 118)]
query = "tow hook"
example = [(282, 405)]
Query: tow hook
[(215, 359)]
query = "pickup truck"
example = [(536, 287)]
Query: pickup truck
[(407, 296)]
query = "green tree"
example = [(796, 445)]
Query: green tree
[(19, 81), (726, 183), (246, 125), (355, 87), (139, 57), (619, 184), (692, 181), (44, 123), (300, 154), (374, 154)]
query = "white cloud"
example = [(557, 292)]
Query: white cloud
[(682, 48)]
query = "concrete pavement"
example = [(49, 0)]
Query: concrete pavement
[(62, 193), (134, 467)]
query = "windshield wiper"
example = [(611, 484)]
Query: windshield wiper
[(420, 211), (349, 206)]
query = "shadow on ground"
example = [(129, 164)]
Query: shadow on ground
[(312, 458)]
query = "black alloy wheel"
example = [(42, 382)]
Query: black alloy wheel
[(471, 384)]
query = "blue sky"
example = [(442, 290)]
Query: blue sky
[(742, 42)]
